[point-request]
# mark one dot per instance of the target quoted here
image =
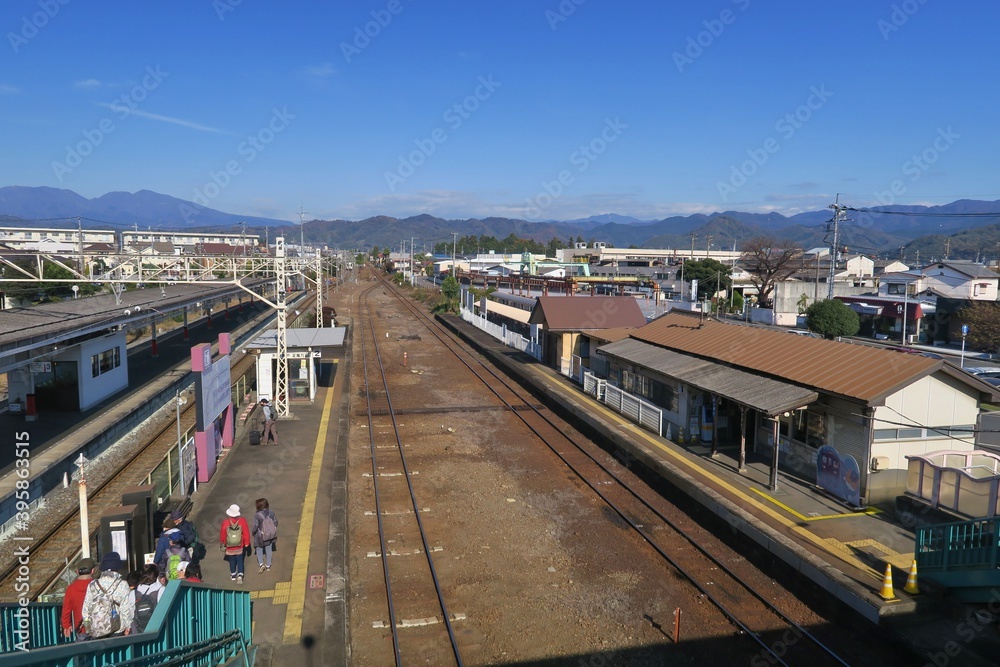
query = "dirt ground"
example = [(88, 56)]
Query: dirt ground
[(539, 568)]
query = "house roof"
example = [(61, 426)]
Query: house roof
[(861, 372), (609, 335), (770, 396), (970, 269), (575, 313)]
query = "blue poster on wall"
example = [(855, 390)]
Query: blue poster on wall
[(839, 475)]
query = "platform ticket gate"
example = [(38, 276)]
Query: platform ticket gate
[(142, 498), (123, 530)]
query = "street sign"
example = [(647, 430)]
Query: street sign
[(965, 329), (315, 354), (41, 366)]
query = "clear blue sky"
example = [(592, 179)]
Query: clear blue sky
[(303, 111)]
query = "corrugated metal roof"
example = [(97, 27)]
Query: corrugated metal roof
[(865, 373), (574, 313), (771, 397)]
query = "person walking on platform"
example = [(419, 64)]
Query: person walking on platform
[(109, 607), (72, 608), (163, 541), (188, 534), (270, 417), (265, 534), (234, 539)]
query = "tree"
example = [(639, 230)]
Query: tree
[(450, 288), (769, 261), (832, 318), (983, 318), (712, 275)]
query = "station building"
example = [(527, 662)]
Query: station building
[(843, 416)]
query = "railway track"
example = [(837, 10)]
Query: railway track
[(770, 633), (414, 598), (57, 543)]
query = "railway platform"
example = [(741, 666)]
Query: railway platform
[(842, 552), (299, 605)]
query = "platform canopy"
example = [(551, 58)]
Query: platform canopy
[(769, 396), (301, 338)]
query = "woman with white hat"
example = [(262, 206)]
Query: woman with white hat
[(234, 539)]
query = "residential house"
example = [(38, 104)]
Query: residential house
[(562, 320)]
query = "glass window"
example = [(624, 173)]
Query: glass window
[(911, 433), (896, 288), (799, 425), (816, 437), (885, 434)]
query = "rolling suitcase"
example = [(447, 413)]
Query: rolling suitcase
[(254, 432)]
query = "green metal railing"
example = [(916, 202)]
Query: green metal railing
[(34, 626), (193, 624), (960, 545)]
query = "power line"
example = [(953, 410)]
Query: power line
[(926, 215)]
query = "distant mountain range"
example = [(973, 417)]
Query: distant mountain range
[(962, 229), (145, 208)]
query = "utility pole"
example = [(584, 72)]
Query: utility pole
[(79, 228), (412, 280), (838, 217), (708, 246), (454, 241), (947, 248), (302, 233), (693, 237)]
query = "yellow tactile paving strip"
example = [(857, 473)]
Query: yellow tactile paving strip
[(278, 595), (802, 517), (295, 596), (697, 471)]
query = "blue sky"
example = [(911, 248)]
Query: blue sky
[(540, 110)]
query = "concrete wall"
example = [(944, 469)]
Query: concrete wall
[(936, 400), (94, 390)]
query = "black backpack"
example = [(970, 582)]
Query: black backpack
[(145, 603)]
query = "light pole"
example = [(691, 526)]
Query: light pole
[(965, 332), (80, 462), (179, 401), (454, 240)]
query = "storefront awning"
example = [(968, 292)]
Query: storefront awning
[(769, 396)]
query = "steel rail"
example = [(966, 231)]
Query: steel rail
[(409, 483), (436, 329)]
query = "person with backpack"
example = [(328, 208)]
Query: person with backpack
[(270, 417), (170, 561), (72, 609), (108, 607), (234, 539), (163, 541), (146, 594), (265, 534), (189, 535)]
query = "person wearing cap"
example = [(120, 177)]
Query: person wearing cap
[(72, 607), (269, 421), (188, 533), (163, 541), (112, 583), (234, 539)]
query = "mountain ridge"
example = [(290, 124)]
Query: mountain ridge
[(874, 230)]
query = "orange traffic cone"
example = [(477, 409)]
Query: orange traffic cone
[(886, 592), (911, 580)]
